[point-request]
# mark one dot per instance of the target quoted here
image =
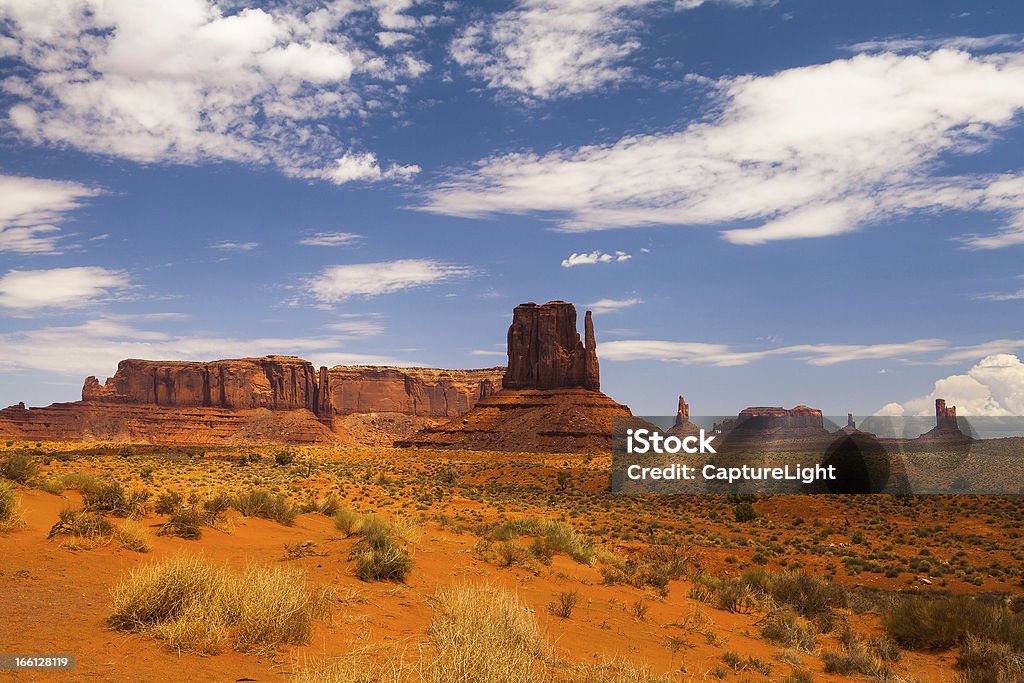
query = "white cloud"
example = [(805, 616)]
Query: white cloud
[(32, 208), (364, 167), (543, 49), (484, 352), (993, 387), (188, 81), (235, 246), (24, 290), (968, 43), (724, 355), (805, 152), (594, 257), (612, 305), (95, 347), (336, 283), (330, 239), (356, 327)]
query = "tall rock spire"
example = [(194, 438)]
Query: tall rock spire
[(545, 350)]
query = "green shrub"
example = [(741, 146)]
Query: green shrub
[(167, 502), (380, 555), (19, 467), (185, 523), (744, 512), (938, 623)]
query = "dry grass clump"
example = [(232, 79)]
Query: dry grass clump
[(10, 513), (195, 606), (262, 503), (347, 521), (381, 554), (785, 627), (928, 623), (985, 661), (112, 498), (133, 536), (550, 536), (185, 522), (655, 566), (483, 633), (84, 530)]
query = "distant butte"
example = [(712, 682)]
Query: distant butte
[(274, 399), (550, 400)]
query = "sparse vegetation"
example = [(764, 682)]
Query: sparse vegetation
[(18, 467), (262, 503), (10, 515), (193, 605)]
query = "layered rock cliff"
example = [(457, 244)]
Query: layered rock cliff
[(274, 382), (271, 399), (423, 392)]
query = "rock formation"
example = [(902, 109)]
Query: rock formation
[(550, 400), (275, 398), (682, 425), (771, 422), (545, 350), (424, 392), (946, 425), (273, 382)]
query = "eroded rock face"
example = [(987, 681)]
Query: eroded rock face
[(274, 382), (423, 392), (798, 418), (545, 350)]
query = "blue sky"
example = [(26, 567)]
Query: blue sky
[(765, 203)]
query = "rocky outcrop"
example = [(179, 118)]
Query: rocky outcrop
[(550, 400), (946, 426), (800, 418), (273, 382), (545, 350), (228, 401), (422, 392)]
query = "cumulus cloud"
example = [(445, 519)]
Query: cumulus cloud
[(993, 387), (364, 167), (330, 239), (594, 257), (31, 209), (806, 152), (544, 49), (336, 283), (24, 290), (96, 346), (188, 81), (612, 305)]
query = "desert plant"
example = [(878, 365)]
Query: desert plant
[(10, 516), (215, 505), (939, 623), (193, 605), (19, 467), (111, 497), (185, 523), (379, 555), (744, 512), (133, 536), (483, 633), (554, 535), (83, 529), (167, 502), (262, 503), (347, 521), (785, 627), (563, 607)]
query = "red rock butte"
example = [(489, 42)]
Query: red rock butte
[(275, 399), (550, 401)]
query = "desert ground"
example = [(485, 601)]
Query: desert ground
[(155, 563)]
